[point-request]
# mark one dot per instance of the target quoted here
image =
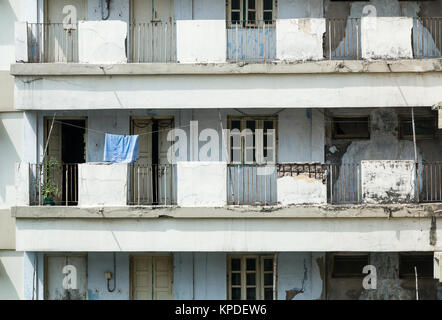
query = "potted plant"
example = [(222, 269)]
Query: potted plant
[(49, 188)]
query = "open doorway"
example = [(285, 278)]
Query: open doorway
[(152, 176), (66, 149)]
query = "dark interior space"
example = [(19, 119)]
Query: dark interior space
[(72, 153)]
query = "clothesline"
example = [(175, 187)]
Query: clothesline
[(103, 132)]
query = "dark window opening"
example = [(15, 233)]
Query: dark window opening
[(349, 265), (351, 127), (425, 127), (422, 262)]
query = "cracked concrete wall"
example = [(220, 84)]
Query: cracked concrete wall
[(299, 39), (102, 41), (196, 183), (93, 178), (388, 181), (386, 38), (296, 268), (389, 285)]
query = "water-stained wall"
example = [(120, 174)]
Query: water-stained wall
[(389, 286)]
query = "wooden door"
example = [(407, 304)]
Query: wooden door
[(141, 173), (152, 31), (151, 277), (165, 173), (61, 17)]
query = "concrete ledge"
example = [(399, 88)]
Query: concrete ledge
[(325, 66), (230, 212)]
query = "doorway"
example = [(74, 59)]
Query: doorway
[(60, 29), (151, 277), (152, 31), (152, 176), (66, 149)]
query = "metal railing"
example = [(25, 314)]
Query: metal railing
[(427, 37), (343, 39), (431, 185), (152, 184), (344, 183), (54, 185), (152, 42), (251, 184), (251, 41), (52, 42)]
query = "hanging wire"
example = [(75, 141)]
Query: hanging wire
[(103, 132)]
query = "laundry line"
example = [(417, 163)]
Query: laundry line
[(104, 132)]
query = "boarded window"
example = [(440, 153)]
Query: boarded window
[(422, 262), (349, 265), (352, 127), (425, 127)]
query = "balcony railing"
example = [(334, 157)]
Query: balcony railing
[(247, 184), (344, 183), (52, 42), (251, 184), (427, 37), (152, 184), (153, 42), (54, 185), (431, 189), (343, 39), (251, 41), (247, 41)]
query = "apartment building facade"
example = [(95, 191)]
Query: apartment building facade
[(284, 146), (11, 146)]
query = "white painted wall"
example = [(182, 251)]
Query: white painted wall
[(102, 41), (301, 189), (10, 12), (202, 184), (386, 37), (226, 235), (299, 39), (22, 184), (11, 145), (388, 181), (201, 41), (229, 91), (11, 275), (102, 184)]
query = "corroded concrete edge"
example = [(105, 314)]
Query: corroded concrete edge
[(301, 67), (230, 212)]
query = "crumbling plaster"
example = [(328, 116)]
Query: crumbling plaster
[(384, 143)]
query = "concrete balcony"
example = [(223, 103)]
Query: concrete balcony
[(218, 184), (220, 41), (211, 214)]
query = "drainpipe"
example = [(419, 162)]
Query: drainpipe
[(415, 156)]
